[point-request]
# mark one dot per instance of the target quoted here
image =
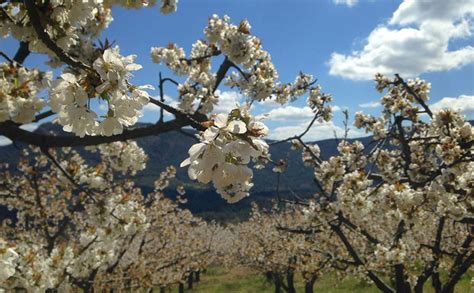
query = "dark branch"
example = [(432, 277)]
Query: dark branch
[(378, 282), (21, 53), (221, 72), (400, 80), (35, 20), (14, 133), (11, 61), (43, 115)]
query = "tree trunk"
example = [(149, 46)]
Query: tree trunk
[(197, 276), (290, 278), (309, 285), (190, 280), (181, 288), (278, 283), (269, 276), (401, 284), (436, 282), (162, 290)]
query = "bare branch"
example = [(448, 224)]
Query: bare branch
[(11, 61), (21, 53)]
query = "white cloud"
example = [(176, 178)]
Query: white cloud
[(290, 113), (319, 131), (374, 104), (464, 104), (151, 108), (392, 48), (288, 121), (293, 114), (349, 3), (227, 101), (336, 108), (415, 11), (268, 103)]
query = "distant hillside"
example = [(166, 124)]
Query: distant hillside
[(171, 149)]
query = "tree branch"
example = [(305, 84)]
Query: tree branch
[(14, 133), (11, 61), (43, 35), (221, 72), (400, 80), (378, 282), (21, 53)]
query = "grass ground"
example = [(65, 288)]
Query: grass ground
[(242, 280)]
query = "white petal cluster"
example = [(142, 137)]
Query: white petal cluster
[(257, 80), (70, 97), (19, 90), (317, 100), (173, 56), (126, 157), (371, 124), (408, 191), (8, 261), (71, 24), (401, 100), (241, 47), (200, 83), (164, 180), (225, 150), (236, 42)]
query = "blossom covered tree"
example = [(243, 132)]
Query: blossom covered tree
[(397, 212), (264, 244), (81, 226), (405, 202)]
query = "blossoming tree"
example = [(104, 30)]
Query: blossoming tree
[(402, 207), (80, 226), (403, 202)]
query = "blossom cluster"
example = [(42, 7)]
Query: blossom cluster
[(104, 73), (19, 90), (226, 148), (71, 24), (70, 97), (403, 97), (257, 79), (8, 261), (126, 157)]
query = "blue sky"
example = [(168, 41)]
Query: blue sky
[(340, 42)]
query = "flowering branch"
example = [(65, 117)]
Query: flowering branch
[(35, 20), (15, 133), (400, 80)]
